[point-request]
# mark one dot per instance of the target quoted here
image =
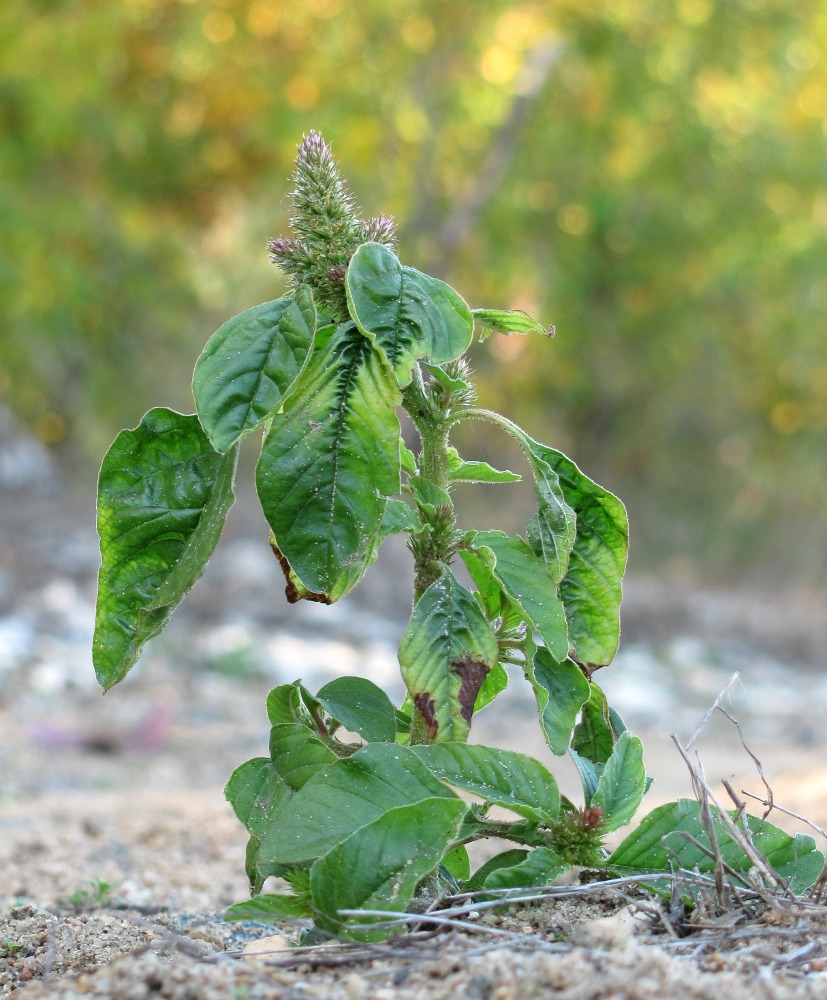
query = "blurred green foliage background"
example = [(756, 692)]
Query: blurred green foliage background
[(648, 175)]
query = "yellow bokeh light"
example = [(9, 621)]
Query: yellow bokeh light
[(185, 117), (263, 19), (781, 198), (574, 219), (787, 417), (410, 123), (218, 26), (802, 54), (50, 427), (302, 93), (518, 27), (694, 11), (812, 100), (418, 34), (498, 65), (325, 9)]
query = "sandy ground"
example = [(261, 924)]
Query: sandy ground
[(118, 853)]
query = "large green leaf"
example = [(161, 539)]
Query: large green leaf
[(255, 791), (561, 691), (380, 865), (504, 777), (344, 796), (409, 315), (526, 581), (360, 706), (660, 843), (622, 783), (163, 494), (591, 589), (446, 652), (328, 463), (249, 363)]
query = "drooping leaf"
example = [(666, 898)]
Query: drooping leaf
[(561, 691), (507, 321), (659, 843), (591, 589), (270, 908), (622, 783), (250, 363), (329, 462), (379, 866), (409, 315), (526, 581), (344, 796), (461, 471), (297, 754), (503, 777), (360, 706), (541, 867), (163, 494), (446, 652), (593, 736)]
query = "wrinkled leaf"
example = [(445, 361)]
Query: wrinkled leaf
[(507, 321), (428, 495), (504, 777), (360, 706), (329, 462), (399, 518), (250, 363), (525, 580), (379, 866), (345, 796), (461, 471), (446, 652), (622, 783), (409, 315), (561, 691), (591, 589), (659, 844), (163, 494)]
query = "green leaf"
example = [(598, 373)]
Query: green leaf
[(427, 494), (482, 472), (591, 589), (561, 691), (328, 463), (360, 706), (297, 754), (458, 863), (163, 494), (496, 681), (526, 581), (659, 844), (446, 652), (284, 704), (507, 321), (345, 796), (589, 773), (409, 315), (504, 777), (399, 518), (255, 791), (541, 867), (450, 382), (380, 865), (506, 859), (269, 908), (593, 736), (250, 363), (407, 459), (622, 783)]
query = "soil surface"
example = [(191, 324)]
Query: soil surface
[(118, 852)]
